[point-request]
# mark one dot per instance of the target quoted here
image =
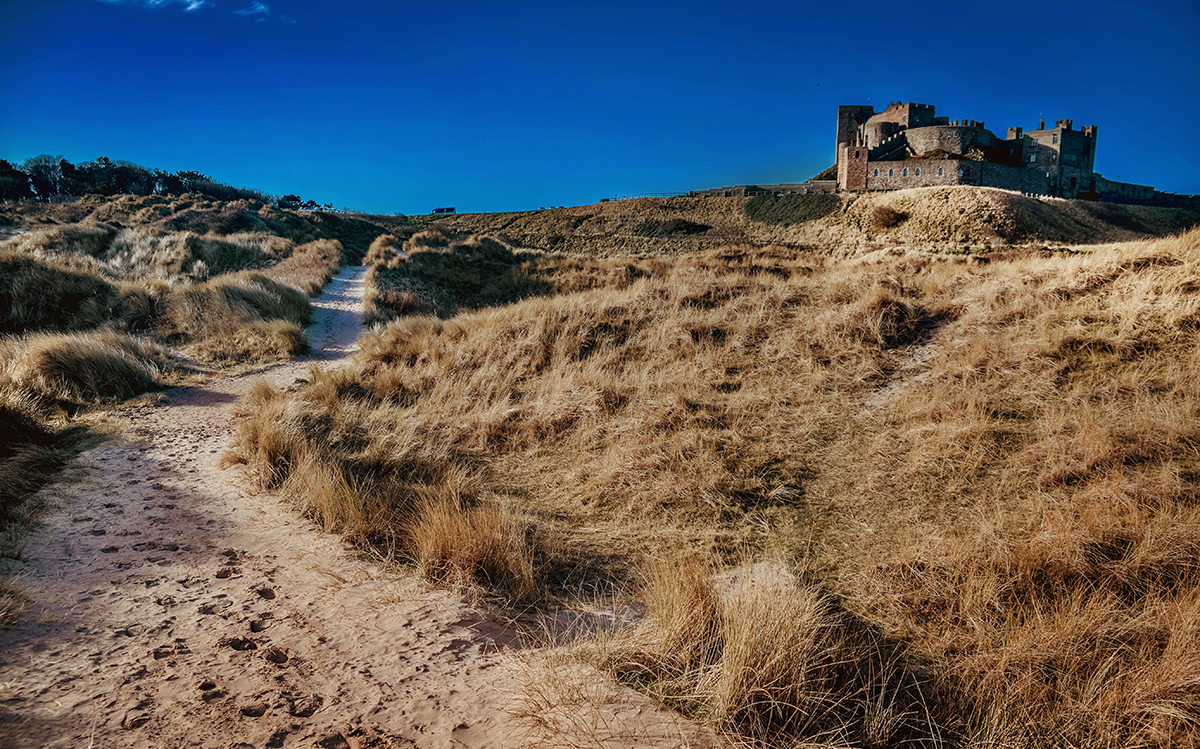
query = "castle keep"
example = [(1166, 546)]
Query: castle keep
[(908, 145)]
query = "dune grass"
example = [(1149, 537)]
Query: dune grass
[(310, 266), (84, 307), (990, 464), (76, 369)]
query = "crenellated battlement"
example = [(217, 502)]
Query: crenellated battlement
[(909, 137)]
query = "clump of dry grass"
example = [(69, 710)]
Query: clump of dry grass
[(29, 451), (433, 514), (77, 369), (239, 317), (310, 266), (383, 251), (759, 654), (13, 602), (424, 241)]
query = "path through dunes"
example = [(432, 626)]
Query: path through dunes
[(172, 606)]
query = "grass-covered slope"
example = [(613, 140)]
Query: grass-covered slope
[(87, 308), (979, 475), (198, 215), (964, 217)]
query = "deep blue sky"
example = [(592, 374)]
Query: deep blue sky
[(403, 107)]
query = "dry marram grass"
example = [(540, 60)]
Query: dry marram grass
[(991, 463)]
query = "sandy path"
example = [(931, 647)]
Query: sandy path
[(173, 607)]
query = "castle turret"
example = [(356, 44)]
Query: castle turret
[(850, 118)]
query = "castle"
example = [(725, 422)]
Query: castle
[(908, 145)]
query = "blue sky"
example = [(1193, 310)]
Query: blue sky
[(403, 107)]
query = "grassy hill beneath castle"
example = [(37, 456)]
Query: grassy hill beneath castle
[(958, 218), (867, 494), (917, 468)]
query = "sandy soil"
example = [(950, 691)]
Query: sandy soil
[(174, 606)]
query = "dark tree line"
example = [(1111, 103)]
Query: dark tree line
[(45, 178)]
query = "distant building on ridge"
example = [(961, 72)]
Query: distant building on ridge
[(908, 145)]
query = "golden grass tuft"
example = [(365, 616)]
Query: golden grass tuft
[(760, 654), (239, 317), (477, 542), (310, 267), (13, 602), (424, 241), (77, 369)]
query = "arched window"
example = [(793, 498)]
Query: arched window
[(905, 171), (960, 172), (940, 172), (891, 172), (876, 172), (918, 171)]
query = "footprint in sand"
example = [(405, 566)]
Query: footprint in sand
[(304, 707), (217, 607), (263, 622)]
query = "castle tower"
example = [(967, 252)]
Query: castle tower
[(852, 167), (850, 118)]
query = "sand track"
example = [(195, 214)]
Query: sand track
[(175, 607)]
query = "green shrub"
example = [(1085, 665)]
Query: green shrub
[(791, 209)]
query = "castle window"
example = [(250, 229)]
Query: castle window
[(891, 172), (1032, 157), (918, 172), (876, 172), (1053, 138), (941, 172), (960, 172), (905, 171)]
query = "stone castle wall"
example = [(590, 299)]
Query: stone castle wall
[(901, 175), (948, 138)]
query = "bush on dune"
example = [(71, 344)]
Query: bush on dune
[(79, 239), (184, 257), (54, 294), (477, 272)]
